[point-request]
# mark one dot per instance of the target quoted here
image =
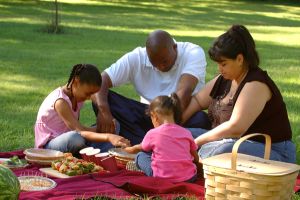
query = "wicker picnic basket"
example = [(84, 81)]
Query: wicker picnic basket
[(250, 177)]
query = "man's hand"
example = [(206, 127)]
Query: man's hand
[(105, 122), (118, 141)]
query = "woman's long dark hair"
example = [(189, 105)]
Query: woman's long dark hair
[(237, 40)]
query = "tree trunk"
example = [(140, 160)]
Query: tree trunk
[(56, 17)]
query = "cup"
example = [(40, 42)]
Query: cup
[(83, 152), (109, 163), (91, 155), (100, 156)]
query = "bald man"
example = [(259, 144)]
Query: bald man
[(163, 67)]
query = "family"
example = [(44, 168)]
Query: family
[(179, 119)]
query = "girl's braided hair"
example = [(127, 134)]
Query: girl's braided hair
[(87, 73)]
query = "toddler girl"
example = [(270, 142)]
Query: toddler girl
[(168, 150), (57, 126)]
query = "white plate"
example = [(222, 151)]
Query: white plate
[(119, 152), (40, 162), (36, 183), (43, 154), (52, 172)]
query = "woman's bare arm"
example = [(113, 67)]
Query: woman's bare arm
[(199, 101), (247, 108)]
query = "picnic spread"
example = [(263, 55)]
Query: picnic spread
[(104, 175), (119, 184)]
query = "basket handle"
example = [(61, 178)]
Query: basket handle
[(239, 141)]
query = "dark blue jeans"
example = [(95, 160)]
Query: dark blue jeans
[(135, 123)]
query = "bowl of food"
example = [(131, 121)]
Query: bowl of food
[(13, 162), (36, 183)]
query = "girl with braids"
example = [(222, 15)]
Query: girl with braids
[(242, 100), (57, 126), (168, 150)]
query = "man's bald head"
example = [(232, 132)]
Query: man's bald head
[(158, 40), (161, 50)]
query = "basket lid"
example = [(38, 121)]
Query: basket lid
[(252, 164)]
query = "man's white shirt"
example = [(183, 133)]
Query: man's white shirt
[(135, 68)]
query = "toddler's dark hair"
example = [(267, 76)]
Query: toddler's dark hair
[(166, 105), (87, 73)]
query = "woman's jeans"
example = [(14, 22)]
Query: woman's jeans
[(281, 151), (73, 142)]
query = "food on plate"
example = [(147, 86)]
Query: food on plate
[(72, 166), (36, 183), (9, 184), (14, 162)]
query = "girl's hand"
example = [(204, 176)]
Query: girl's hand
[(118, 141), (129, 149), (134, 149)]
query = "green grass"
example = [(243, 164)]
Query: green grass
[(33, 63)]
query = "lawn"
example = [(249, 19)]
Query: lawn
[(33, 63)]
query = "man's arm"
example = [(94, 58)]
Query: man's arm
[(117, 74), (104, 117), (193, 72), (185, 88)]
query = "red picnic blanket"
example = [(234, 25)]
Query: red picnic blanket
[(116, 185), (120, 184)]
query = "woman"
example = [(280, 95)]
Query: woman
[(242, 100)]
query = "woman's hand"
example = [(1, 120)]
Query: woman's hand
[(118, 141)]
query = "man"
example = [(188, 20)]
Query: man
[(161, 68)]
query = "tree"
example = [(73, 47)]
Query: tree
[(54, 25)]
